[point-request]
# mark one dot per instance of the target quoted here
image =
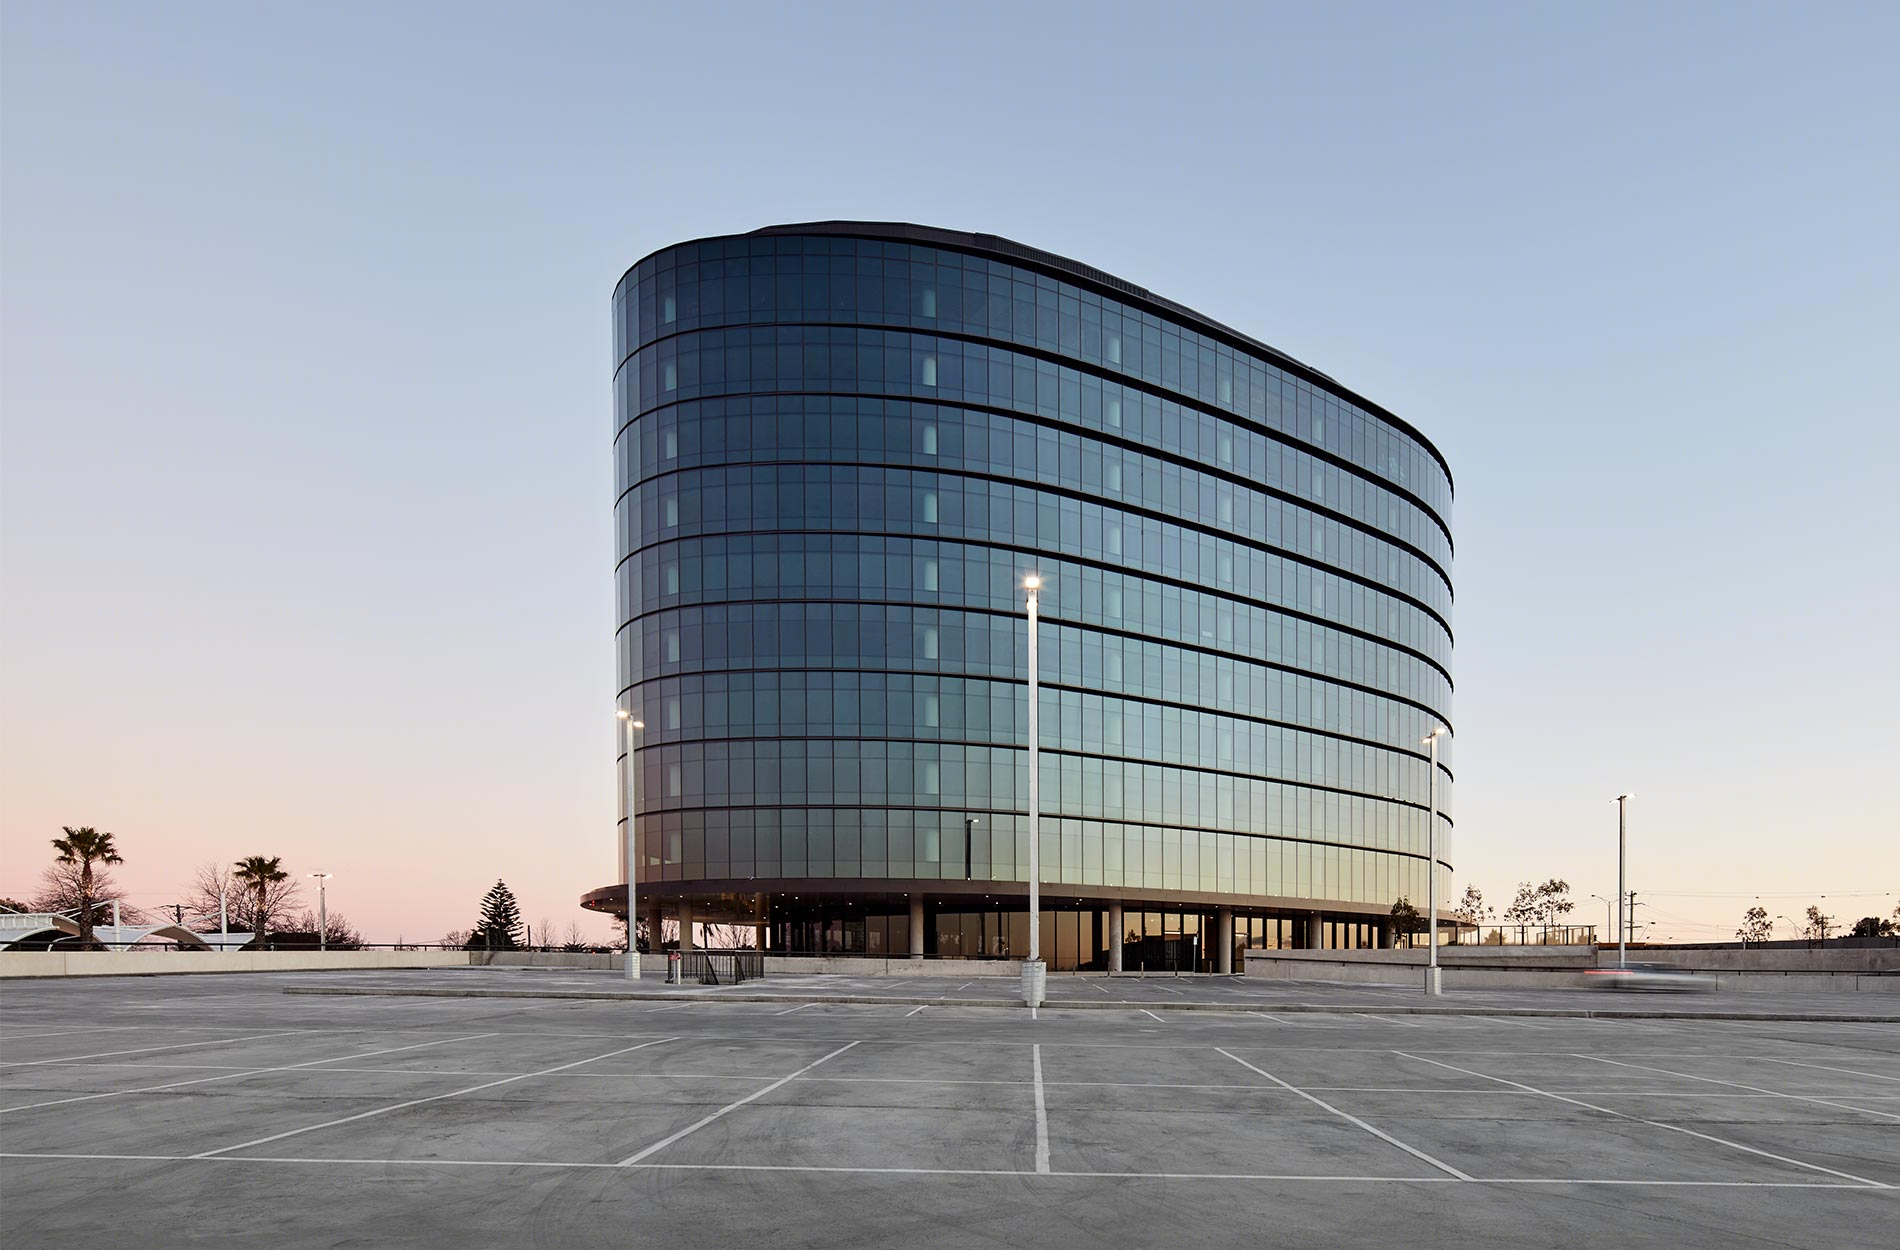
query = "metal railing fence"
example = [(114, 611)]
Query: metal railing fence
[(722, 967)]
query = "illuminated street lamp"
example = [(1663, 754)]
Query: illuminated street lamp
[(1434, 983), (1033, 971), (323, 910), (626, 807)]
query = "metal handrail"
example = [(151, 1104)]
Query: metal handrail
[(722, 967)]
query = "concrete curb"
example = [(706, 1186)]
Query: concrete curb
[(893, 1000)]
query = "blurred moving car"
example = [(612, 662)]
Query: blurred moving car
[(1650, 977)]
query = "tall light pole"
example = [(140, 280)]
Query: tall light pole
[(323, 910), (1622, 842), (633, 845), (1434, 983), (1607, 926), (1032, 968)]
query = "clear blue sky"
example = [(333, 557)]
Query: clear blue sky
[(304, 468)]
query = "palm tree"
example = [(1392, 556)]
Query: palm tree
[(85, 846), (255, 872)]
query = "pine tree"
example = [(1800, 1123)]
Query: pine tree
[(500, 925)]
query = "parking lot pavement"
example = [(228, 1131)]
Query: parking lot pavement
[(1158, 992), (222, 1111)]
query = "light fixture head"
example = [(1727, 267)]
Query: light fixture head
[(1032, 582), (624, 714), (639, 724)]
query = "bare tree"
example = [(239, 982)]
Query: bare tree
[(1755, 925), (1523, 908), (201, 899), (340, 935), (454, 940), (61, 890)]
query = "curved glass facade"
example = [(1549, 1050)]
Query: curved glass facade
[(839, 448)]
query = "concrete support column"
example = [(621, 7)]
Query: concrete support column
[(686, 925), (1114, 937), (653, 923), (916, 928), (1224, 957), (1311, 941), (1385, 935)]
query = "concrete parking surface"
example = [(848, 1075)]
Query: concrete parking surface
[(221, 1110)]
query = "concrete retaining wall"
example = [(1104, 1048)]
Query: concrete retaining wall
[(1405, 970), (1569, 970), (159, 963), (1769, 959), (775, 965)]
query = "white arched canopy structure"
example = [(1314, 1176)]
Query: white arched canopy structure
[(40, 927)]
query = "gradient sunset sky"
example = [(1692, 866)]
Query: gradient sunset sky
[(305, 486)]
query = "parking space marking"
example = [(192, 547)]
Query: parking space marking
[(914, 1010), (1773, 1093), (1386, 1020), (788, 1012), (417, 1102), (232, 1076), (694, 1127), (1353, 1119), (1519, 1023), (1674, 1128), (1303, 1177), (1042, 1113), (1152, 1016), (104, 1028), (1823, 1067), (146, 1050)]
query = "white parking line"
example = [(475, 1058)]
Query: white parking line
[(146, 1050), (1674, 1128), (1774, 1093), (104, 1028), (1042, 1114), (1152, 1016), (1303, 1177), (914, 1010), (694, 1127), (1380, 1134), (232, 1076), (417, 1102), (1387, 1019), (1822, 1067), (1519, 1023), (800, 1006)]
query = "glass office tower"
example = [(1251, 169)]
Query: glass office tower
[(840, 447)]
